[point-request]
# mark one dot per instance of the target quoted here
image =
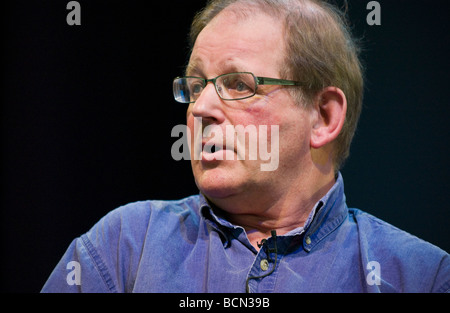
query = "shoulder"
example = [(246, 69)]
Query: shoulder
[(143, 211), (135, 218), (116, 244), (125, 230), (389, 235), (401, 255), (110, 252)]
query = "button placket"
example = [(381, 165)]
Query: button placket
[(262, 275)]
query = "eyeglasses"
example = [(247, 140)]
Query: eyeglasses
[(231, 86)]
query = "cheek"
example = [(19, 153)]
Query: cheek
[(190, 122), (189, 116), (292, 123), (294, 130), (258, 115), (295, 137)]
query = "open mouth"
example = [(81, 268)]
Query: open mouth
[(212, 148), (216, 148), (215, 152)]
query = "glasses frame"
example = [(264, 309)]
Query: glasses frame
[(258, 81)]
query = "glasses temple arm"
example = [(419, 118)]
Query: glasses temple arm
[(276, 81)]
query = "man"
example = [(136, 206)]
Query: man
[(290, 66)]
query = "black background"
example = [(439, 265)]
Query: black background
[(87, 113)]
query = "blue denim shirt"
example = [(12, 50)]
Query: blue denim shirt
[(185, 246)]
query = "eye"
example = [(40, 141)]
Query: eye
[(236, 84), (241, 86), (196, 87)]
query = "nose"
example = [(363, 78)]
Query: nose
[(209, 105)]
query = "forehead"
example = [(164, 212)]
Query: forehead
[(237, 42)]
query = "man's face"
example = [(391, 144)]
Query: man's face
[(252, 44)]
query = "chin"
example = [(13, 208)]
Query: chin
[(217, 183)]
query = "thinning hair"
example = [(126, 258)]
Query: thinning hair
[(319, 52)]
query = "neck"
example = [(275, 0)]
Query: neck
[(261, 211)]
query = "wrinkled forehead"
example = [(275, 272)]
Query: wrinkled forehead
[(238, 15), (234, 37)]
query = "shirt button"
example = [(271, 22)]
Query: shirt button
[(308, 240), (264, 264)]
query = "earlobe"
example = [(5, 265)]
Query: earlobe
[(329, 116)]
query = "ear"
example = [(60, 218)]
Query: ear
[(329, 116)]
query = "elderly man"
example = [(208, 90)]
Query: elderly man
[(291, 64)]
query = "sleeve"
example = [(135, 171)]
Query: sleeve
[(81, 269), (106, 258), (407, 263), (442, 282)]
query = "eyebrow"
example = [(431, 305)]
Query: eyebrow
[(195, 68)]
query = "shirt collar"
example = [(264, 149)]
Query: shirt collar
[(327, 214), (330, 216)]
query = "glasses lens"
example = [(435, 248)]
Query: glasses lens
[(180, 90), (236, 86), (187, 89)]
